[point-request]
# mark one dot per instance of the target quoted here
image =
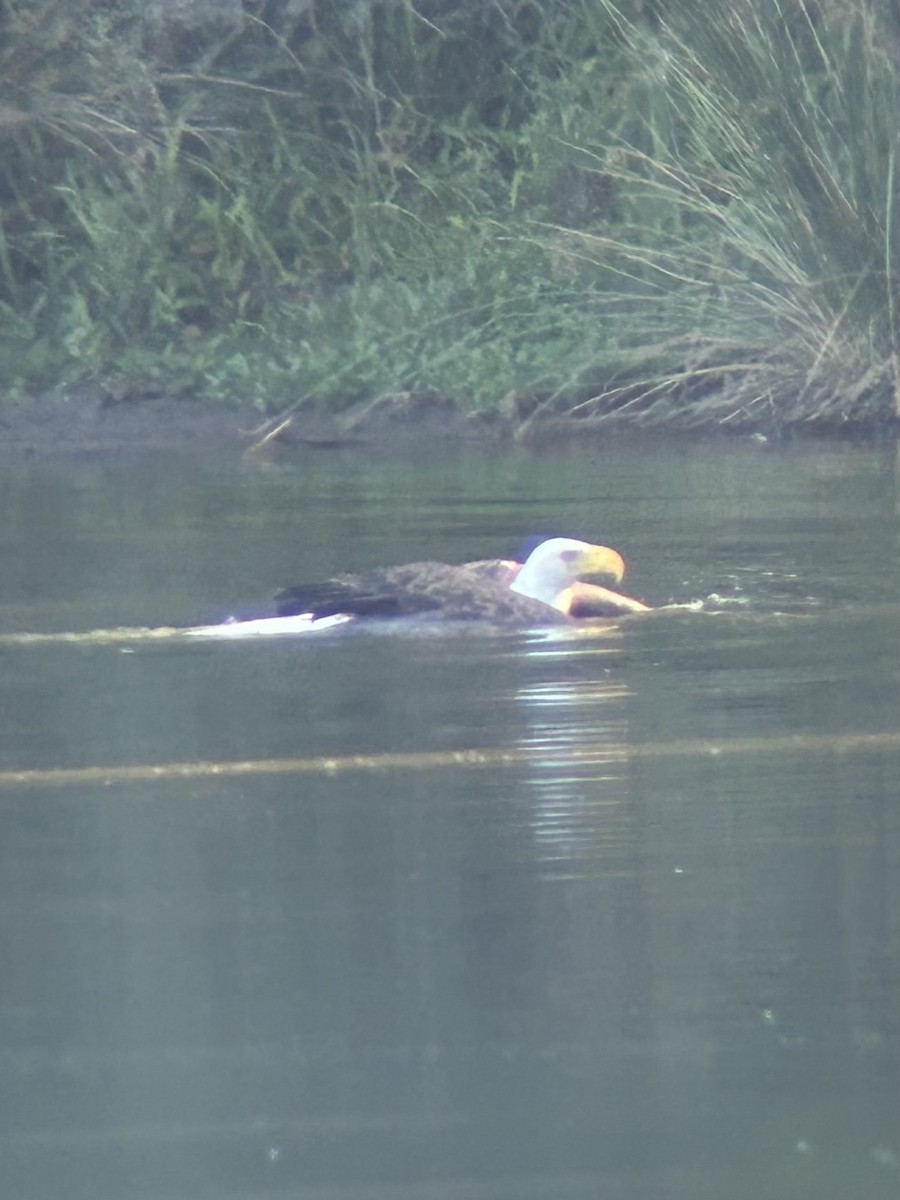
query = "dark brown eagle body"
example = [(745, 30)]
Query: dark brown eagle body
[(462, 592)]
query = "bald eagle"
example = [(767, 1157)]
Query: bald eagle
[(547, 588)]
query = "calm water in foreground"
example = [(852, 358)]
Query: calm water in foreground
[(646, 947)]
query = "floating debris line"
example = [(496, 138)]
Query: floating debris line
[(226, 630), (849, 743), (96, 636)]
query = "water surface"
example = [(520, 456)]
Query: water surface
[(645, 944)]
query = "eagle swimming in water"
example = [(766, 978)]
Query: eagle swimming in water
[(547, 588)]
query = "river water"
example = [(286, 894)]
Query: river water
[(487, 914)]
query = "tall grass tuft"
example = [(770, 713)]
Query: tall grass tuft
[(751, 271)]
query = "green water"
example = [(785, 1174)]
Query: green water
[(649, 946)]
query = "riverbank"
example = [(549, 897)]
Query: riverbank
[(85, 425), (665, 217)]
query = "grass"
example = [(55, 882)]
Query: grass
[(755, 238), (659, 214)]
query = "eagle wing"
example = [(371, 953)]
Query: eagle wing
[(462, 592)]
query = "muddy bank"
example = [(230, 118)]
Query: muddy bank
[(91, 425), (50, 426), (88, 425)]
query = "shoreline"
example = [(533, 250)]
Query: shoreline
[(42, 428)]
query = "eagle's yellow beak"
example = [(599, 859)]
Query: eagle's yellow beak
[(601, 560)]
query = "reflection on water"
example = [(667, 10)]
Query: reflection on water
[(642, 941), (576, 739)]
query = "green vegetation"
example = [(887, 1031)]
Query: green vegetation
[(661, 211)]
